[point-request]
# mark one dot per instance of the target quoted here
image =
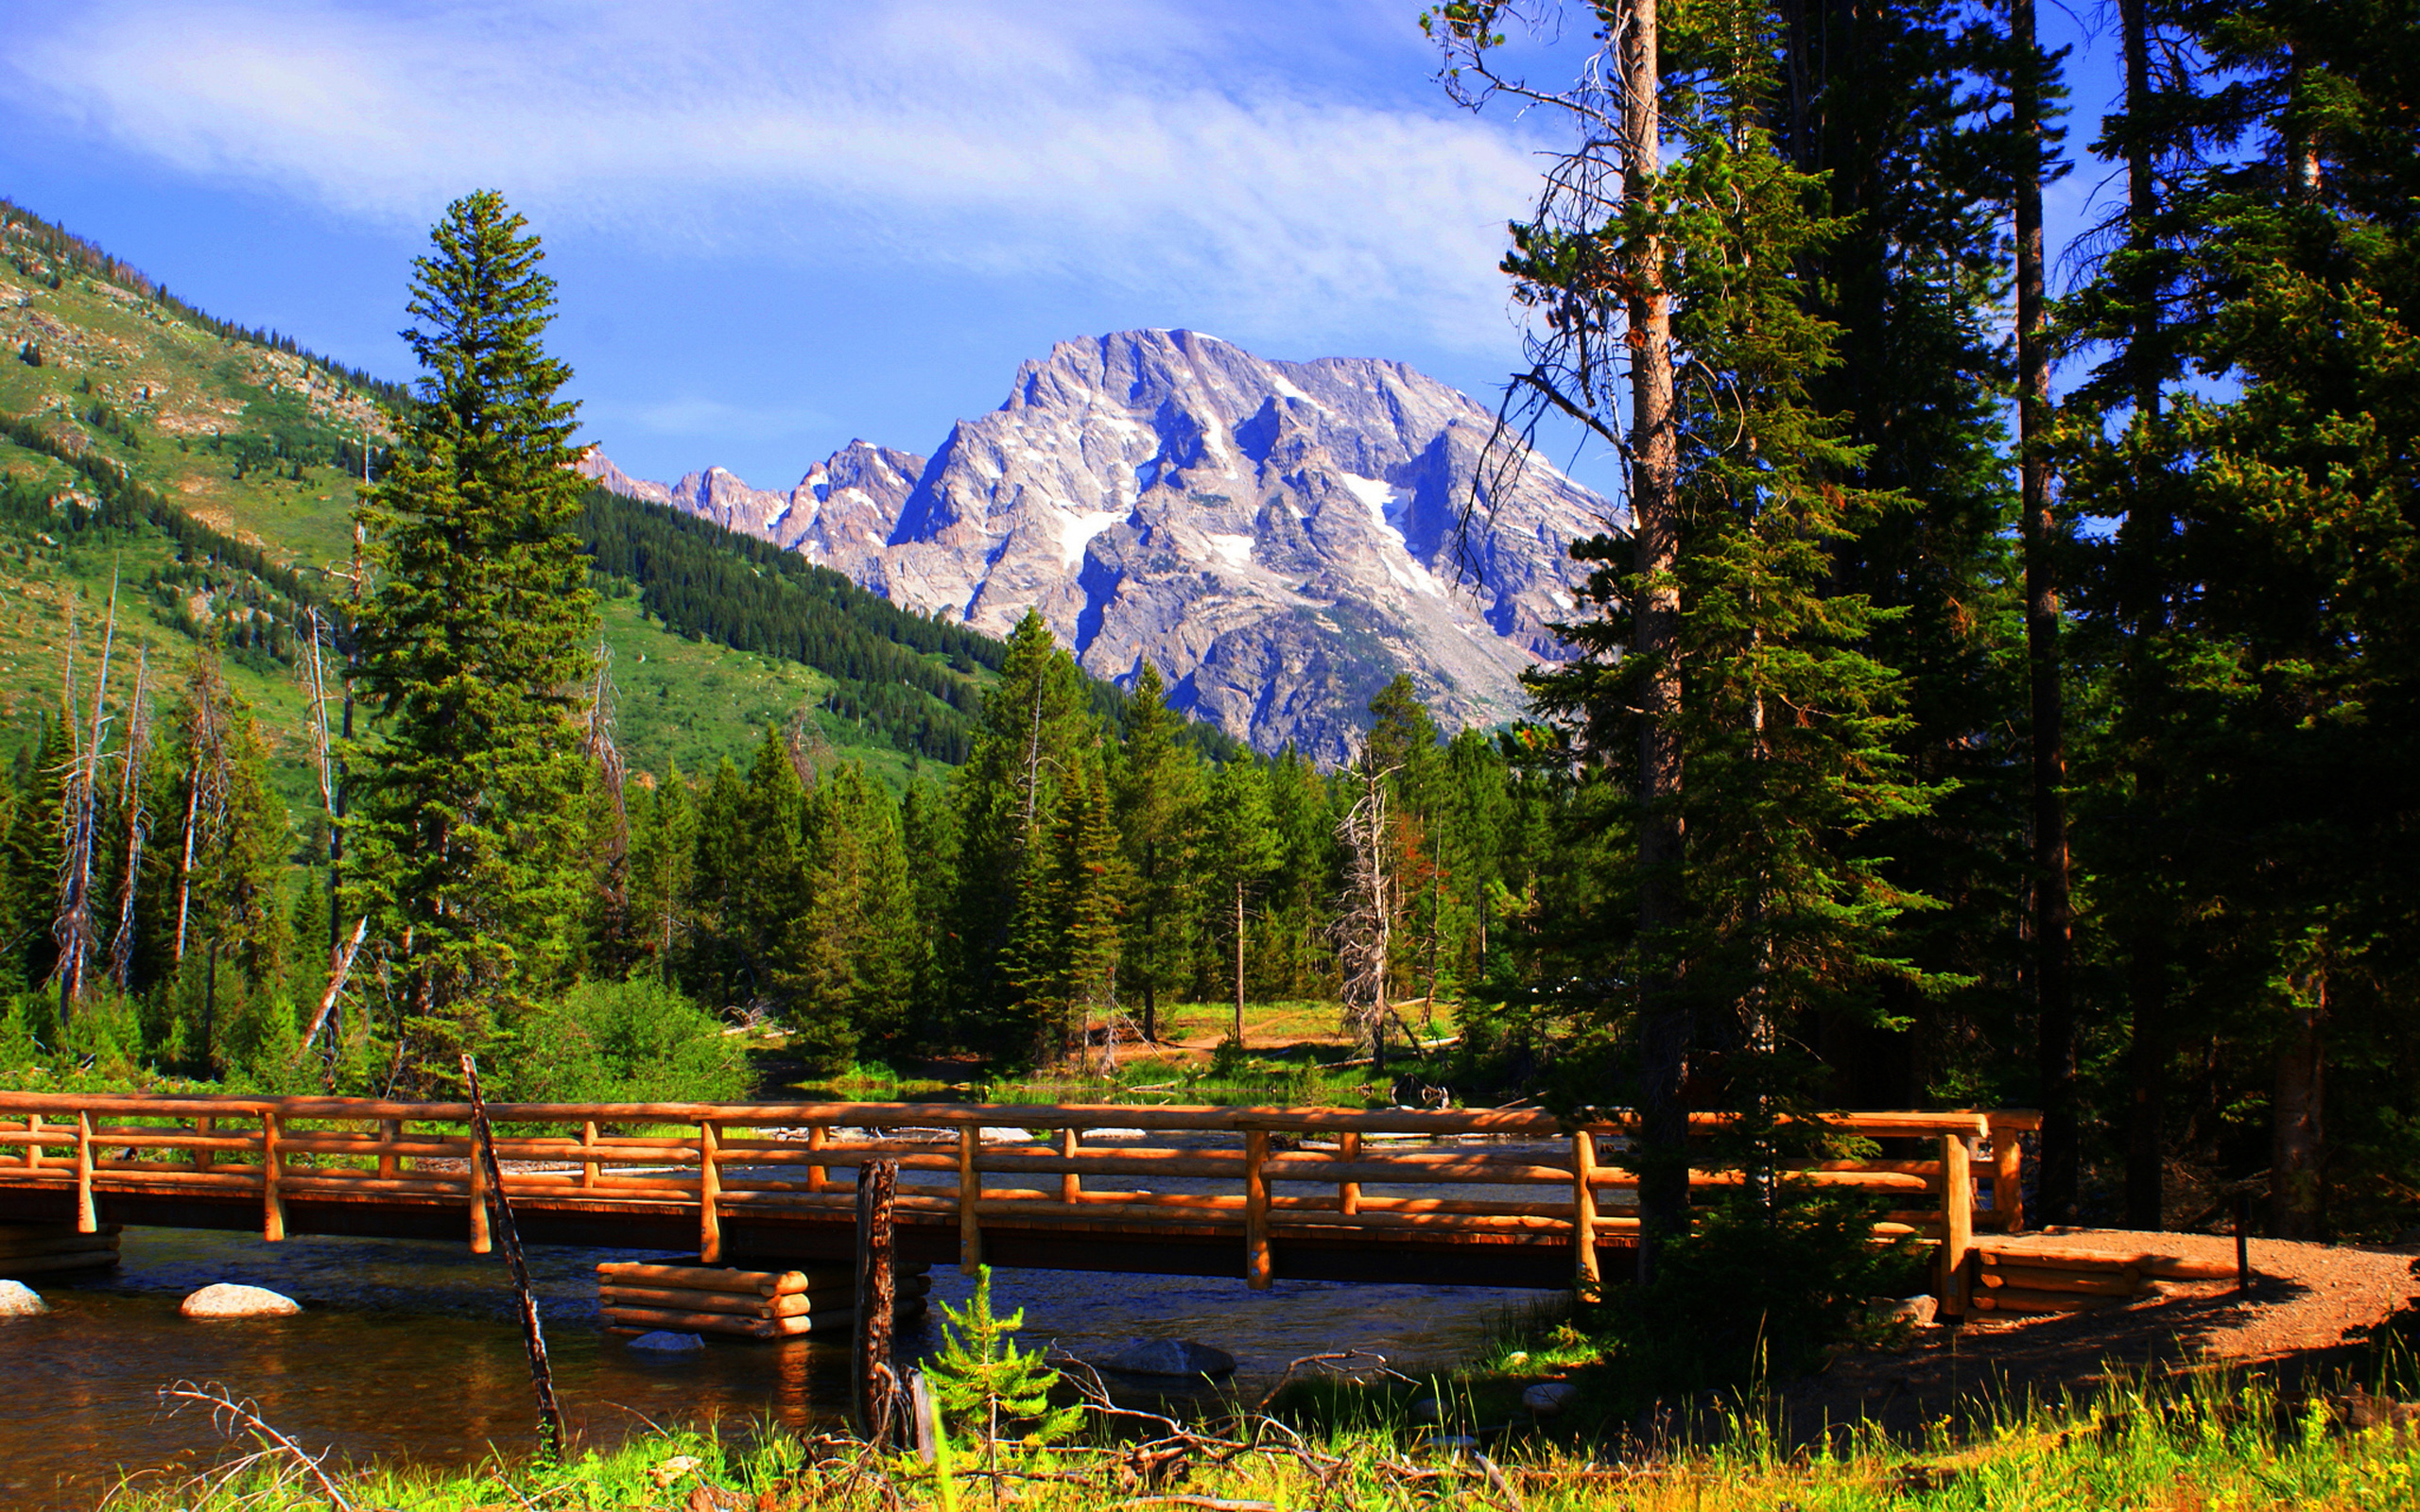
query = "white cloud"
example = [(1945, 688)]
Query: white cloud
[(1135, 144)]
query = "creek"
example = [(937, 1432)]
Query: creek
[(408, 1352)]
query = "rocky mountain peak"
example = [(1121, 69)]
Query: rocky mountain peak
[(1280, 538)]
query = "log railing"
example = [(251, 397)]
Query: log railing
[(1264, 1175)]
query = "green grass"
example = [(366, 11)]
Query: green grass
[(2204, 1443)]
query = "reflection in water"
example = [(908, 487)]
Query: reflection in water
[(408, 1351)]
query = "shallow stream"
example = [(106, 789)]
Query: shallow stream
[(408, 1351)]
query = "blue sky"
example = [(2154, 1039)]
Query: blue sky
[(779, 227)]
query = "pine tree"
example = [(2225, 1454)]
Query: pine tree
[(849, 966), (1035, 724), (1726, 652), (1240, 848), (1063, 947), (474, 649), (1156, 795), (664, 845)]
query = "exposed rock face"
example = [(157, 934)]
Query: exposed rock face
[(1280, 539), (224, 1299)]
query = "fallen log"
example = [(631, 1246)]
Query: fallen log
[(2126, 1282), (2015, 1299)]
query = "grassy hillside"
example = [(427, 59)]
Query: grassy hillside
[(258, 445)]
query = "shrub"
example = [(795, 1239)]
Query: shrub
[(637, 1042)]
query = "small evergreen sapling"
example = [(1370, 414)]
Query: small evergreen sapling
[(981, 1377)]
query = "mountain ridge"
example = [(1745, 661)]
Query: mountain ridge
[(1280, 538)]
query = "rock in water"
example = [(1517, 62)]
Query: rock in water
[(665, 1342), (226, 1301), (1168, 1357), (1548, 1398), (17, 1299)]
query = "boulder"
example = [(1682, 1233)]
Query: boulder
[(226, 1301), (1549, 1397), (1168, 1357), (663, 1342), (17, 1299), (1916, 1312)]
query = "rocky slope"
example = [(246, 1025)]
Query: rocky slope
[(1279, 538)]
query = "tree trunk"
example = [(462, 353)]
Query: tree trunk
[(1239, 963), (2147, 531), (2147, 1079), (2053, 924), (1664, 1017), (2294, 1187)]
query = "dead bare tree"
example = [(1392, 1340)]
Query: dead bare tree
[(72, 927), (209, 771), (1364, 918), (130, 797)]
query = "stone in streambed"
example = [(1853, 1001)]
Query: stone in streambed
[(226, 1301), (17, 1299), (1168, 1357), (1548, 1398), (664, 1342)]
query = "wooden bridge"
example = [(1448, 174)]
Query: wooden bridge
[(1497, 1197)]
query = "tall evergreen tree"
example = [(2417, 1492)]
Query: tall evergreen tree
[(1241, 847), (473, 648), (1036, 724), (1156, 795)]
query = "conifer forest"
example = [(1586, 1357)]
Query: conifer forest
[(2000, 688)]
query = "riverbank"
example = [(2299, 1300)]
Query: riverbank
[(2212, 1442)]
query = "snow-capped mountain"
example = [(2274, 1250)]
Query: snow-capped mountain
[(1279, 538)]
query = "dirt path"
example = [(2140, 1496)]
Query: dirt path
[(2308, 1307)]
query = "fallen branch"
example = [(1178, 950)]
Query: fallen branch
[(229, 1415)]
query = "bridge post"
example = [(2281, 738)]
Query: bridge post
[(970, 1191), (203, 1156), (479, 1243), (86, 1221), (1071, 1186), (1257, 1267), (818, 1136), (1348, 1194), (33, 1148), (1957, 1225), (2008, 1176), (588, 1144), (273, 1178), (709, 1194), (1584, 1277), (390, 1165)]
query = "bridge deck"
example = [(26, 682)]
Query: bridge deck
[(1503, 1198)]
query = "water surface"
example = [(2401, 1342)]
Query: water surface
[(407, 1351)]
